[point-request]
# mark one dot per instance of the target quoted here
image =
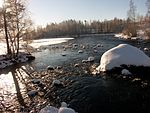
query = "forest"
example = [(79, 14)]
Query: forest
[(129, 26)]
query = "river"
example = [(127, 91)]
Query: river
[(84, 92)]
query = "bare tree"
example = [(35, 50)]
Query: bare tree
[(4, 28), (148, 8), (132, 17), (132, 11), (16, 22)]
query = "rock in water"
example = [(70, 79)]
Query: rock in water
[(49, 109), (80, 51), (56, 83), (64, 104), (50, 67), (65, 110), (123, 54), (91, 59), (30, 57), (125, 72)]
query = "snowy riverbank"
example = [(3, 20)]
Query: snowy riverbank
[(140, 36), (5, 61)]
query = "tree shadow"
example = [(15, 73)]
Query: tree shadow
[(20, 78)]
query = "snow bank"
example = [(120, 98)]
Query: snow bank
[(45, 42), (121, 35), (3, 48), (123, 54)]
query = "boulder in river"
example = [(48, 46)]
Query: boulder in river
[(123, 54)]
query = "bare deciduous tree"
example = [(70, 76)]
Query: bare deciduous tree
[(132, 17), (16, 22)]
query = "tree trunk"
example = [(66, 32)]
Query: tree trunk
[(6, 35)]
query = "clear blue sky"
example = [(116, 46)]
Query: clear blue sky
[(47, 11)]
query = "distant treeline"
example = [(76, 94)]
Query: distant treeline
[(77, 28), (73, 27)]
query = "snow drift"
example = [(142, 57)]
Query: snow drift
[(123, 54)]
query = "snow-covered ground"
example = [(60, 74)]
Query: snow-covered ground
[(2, 48), (45, 42), (36, 43), (23, 58), (140, 35), (123, 54), (121, 35)]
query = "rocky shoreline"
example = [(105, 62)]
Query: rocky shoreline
[(6, 61), (79, 88)]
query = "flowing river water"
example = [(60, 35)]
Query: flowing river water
[(83, 91)]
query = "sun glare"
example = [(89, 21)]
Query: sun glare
[(1, 3)]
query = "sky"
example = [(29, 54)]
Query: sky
[(47, 11)]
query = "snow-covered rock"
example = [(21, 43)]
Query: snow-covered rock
[(80, 51), (125, 72), (99, 45), (146, 49), (56, 83), (123, 54), (49, 109), (5, 61), (63, 54), (64, 104), (76, 65), (65, 110), (91, 59), (84, 61), (59, 67), (50, 67), (75, 45), (95, 51), (62, 109)]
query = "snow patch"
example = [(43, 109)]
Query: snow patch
[(45, 42), (123, 54)]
